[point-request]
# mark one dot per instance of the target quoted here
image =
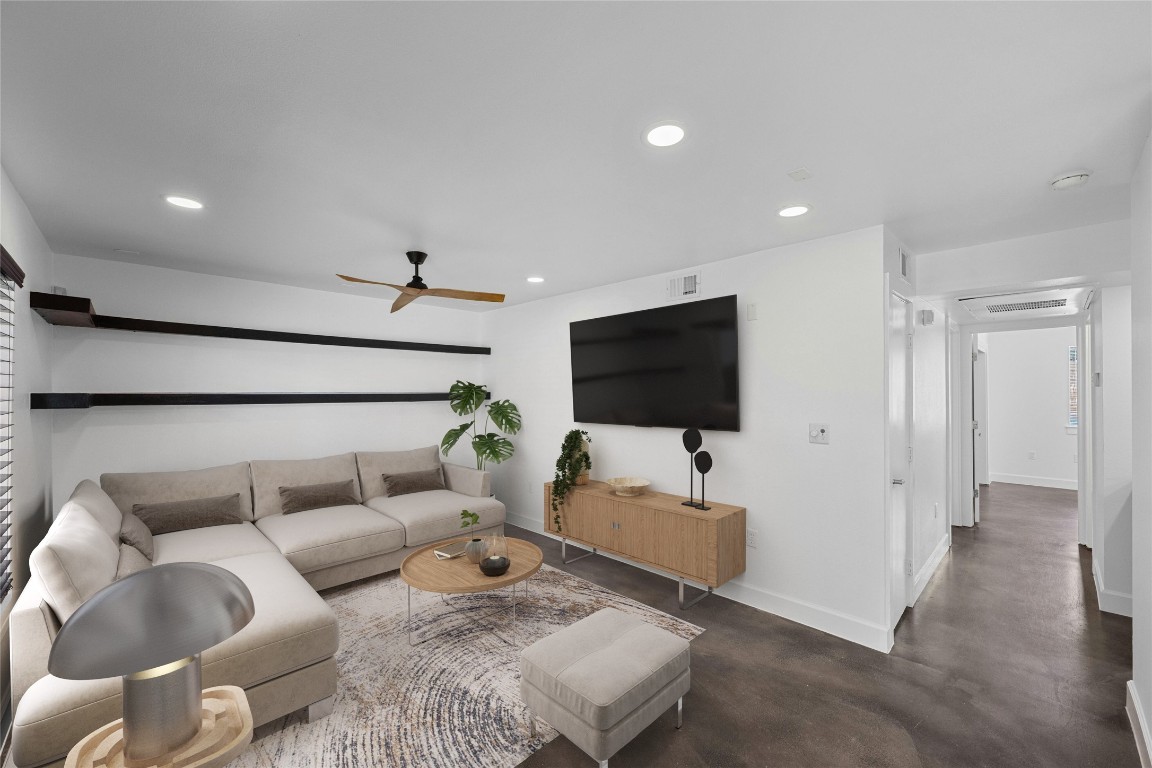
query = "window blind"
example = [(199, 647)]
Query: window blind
[(1073, 388), (11, 278)]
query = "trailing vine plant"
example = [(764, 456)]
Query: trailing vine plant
[(573, 460)]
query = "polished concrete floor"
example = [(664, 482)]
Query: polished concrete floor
[(1006, 660)]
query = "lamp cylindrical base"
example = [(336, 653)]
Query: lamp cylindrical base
[(161, 709)]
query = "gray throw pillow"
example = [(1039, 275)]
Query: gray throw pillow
[(413, 482), (300, 498), (134, 533), (170, 516)]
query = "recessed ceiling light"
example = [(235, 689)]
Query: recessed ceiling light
[(184, 202), (535, 279), (794, 210), (1067, 180), (664, 135)]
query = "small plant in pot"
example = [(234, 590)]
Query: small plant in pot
[(571, 469), (475, 549)]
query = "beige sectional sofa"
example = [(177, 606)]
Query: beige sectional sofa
[(284, 659)]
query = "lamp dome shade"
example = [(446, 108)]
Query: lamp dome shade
[(151, 618)]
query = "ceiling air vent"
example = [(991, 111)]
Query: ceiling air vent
[(684, 286), (1015, 306), (1023, 305)]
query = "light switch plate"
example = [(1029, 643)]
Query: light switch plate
[(818, 434)]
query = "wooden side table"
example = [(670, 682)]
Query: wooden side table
[(225, 730)]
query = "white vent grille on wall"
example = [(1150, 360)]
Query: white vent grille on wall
[(684, 286)]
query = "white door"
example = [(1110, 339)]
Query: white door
[(977, 397), (899, 451), (980, 417)]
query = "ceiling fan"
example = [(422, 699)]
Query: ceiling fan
[(416, 287)]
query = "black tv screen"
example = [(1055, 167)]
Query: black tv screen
[(673, 366)]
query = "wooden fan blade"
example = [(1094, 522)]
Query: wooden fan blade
[(452, 293), (414, 292), (406, 298)]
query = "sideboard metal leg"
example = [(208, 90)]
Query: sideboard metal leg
[(693, 601), (564, 553), (679, 712)]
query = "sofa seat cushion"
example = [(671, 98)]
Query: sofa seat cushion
[(604, 666), (205, 545), (292, 628), (318, 538), (434, 515)]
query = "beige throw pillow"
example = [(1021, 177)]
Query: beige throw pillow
[(170, 516), (131, 561), (300, 498), (413, 482)]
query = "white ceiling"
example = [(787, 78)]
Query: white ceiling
[(506, 138)]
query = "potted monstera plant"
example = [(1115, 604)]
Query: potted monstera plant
[(468, 399), (571, 469)]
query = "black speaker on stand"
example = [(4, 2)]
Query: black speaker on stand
[(692, 443), (703, 461)]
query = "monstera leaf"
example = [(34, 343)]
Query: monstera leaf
[(453, 436), (492, 447), (505, 415), (465, 397)]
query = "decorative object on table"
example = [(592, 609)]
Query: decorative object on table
[(466, 399), (452, 700), (474, 550), (150, 628), (692, 443), (703, 463), (573, 464), (628, 486), (496, 561), (415, 288)]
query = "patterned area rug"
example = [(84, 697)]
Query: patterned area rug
[(453, 700)]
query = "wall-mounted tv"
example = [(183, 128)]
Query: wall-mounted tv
[(672, 366)]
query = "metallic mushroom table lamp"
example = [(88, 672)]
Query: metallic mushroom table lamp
[(150, 628)]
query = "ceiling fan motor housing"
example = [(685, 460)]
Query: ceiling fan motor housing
[(417, 258)]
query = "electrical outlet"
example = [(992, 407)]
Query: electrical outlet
[(935, 510), (752, 314), (818, 434), (1032, 455), (751, 538)]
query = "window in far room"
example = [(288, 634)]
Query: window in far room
[(1073, 390), (11, 278)]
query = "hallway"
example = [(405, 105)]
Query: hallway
[(1011, 620)]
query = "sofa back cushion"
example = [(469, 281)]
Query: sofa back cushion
[(75, 560), (101, 506), (374, 465), (131, 488), (269, 476)]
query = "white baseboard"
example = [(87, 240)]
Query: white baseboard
[(833, 622), (929, 569), (1110, 600), (1140, 727), (1043, 482)]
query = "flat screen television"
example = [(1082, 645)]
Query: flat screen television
[(672, 366)]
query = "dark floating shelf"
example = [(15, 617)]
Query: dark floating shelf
[(66, 400), (78, 312)]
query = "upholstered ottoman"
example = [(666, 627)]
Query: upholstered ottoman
[(604, 679)]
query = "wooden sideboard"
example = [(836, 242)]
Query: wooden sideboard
[(656, 529)]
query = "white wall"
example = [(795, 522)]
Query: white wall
[(1097, 253), (1112, 449), (110, 439), (929, 515), (815, 354), (1028, 408), (1140, 688)]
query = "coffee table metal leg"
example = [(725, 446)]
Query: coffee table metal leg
[(409, 615)]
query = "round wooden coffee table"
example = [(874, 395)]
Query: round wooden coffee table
[(424, 571)]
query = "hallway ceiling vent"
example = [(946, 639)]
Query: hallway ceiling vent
[(1031, 304)]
